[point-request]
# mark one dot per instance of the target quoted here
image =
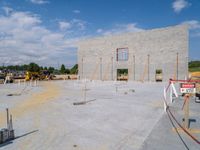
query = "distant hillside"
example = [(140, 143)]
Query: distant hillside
[(194, 66)]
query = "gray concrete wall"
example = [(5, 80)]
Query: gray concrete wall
[(97, 56)]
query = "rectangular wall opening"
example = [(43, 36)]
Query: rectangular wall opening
[(159, 75), (122, 54), (122, 74)]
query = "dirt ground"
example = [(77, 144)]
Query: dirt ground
[(33, 102)]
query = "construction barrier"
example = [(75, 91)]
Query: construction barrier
[(172, 90)]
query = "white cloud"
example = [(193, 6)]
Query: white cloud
[(76, 11), (131, 27), (7, 10), (179, 5), (99, 30), (193, 24), (64, 25), (39, 1), (79, 23), (120, 28), (72, 25), (23, 39)]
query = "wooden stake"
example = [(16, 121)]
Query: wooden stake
[(186, 111)]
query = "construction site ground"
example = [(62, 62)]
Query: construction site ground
[(117, 116)]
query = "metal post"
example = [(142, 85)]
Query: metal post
[(186, 112), (100, 68), (176, 66), (11, 125), (7, 112), (133, 67), (148, 67)]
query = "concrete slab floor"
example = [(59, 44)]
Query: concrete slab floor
[(122, 115)]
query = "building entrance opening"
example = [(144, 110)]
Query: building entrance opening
[(159, 75), (122, 74)]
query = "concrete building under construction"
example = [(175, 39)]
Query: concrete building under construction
[(142, 55)]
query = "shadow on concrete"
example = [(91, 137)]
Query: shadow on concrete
[(6, 143), (11, 141), (190, 121), (83, 102), (26, 134)]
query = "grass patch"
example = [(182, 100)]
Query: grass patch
[(195, 69)]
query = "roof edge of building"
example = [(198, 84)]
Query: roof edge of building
[(126, 33)]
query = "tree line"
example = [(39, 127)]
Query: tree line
[(194, 66), (33, 67)]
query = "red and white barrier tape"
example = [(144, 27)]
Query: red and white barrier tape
[(194, 81)]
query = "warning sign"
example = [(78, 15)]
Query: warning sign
[(188, 88)]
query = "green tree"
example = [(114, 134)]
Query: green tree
[(33, 67), (51, 69), (25, 67), (74, 69), (194, 66), (56, 71), (67, 71), (62, 69)]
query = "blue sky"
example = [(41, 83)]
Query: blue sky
[(46, 31)]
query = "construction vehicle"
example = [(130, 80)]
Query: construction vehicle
[(6, 77), (42, 75), (31, 75), (2, 77), (9, 78), (45, 75)]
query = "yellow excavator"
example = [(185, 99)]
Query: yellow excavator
[(42, 75), (31, 75)]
